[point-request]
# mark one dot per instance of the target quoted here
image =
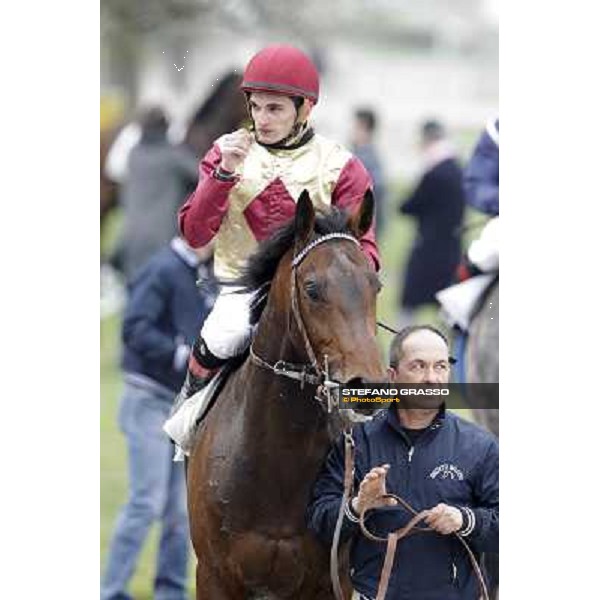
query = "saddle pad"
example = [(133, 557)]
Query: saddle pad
[(181, 426), (459, 301)]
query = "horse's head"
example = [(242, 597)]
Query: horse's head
[(321, 304), (335, 289)]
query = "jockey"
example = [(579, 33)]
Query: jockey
[(249, 184)]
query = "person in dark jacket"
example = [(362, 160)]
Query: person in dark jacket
[(437, 204), (481, 181), (153, 186), (168, 302), (433, 459), (482, 173), (363, 146)]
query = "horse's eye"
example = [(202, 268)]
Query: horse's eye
[(312, 290)]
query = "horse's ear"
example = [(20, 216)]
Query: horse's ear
[(361, 220), (305, 219)]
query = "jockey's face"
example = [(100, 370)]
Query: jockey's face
[(274, 116), (424, 359)]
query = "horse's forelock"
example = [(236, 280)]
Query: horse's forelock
[(262, 265)]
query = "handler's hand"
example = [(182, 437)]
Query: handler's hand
[(444, 519), (371, 488), (234, 148)]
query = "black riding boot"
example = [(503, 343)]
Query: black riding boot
[(202, 367)]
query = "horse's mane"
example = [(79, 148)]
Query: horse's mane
[(261, 266)]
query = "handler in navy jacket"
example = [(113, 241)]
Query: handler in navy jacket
[(169, 299), (433, 459)]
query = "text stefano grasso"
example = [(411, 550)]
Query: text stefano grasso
[(395, 392)]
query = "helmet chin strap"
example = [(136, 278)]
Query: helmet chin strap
[(299, 129)]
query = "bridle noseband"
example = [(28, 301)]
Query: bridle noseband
[(311, 373)]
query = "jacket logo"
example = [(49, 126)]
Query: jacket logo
[(447, 471)]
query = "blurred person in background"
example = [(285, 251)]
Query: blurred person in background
[(482, 173), (437, 204), (481, 183), (153, 176), (363, 146), (249, 187), (168, 302)]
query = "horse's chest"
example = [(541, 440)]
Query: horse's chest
[(272, 567)]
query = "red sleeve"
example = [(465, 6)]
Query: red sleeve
[(349, 191), (201, 216)]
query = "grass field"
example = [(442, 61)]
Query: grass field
[(394, 247)]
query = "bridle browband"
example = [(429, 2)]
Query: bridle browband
[(311, 373), (320, 240)]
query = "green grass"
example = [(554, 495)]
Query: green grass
[(394, 246)]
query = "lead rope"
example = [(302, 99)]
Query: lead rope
[(334, 569)]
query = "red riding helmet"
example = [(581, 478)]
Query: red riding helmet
[(282, 69)]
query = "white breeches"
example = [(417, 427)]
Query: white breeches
[(227, 331), (484, 251)]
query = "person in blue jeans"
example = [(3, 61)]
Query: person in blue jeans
[(168, 301)]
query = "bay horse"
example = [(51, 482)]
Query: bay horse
[(259, 450), (223, 111)]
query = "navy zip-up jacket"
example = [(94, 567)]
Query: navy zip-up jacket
[(165, 309), (454, 462)]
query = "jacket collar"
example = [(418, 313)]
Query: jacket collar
[(294, 140), (184, 252), (392, 419)]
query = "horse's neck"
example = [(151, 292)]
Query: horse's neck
[(280, 408), (281, 421)]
